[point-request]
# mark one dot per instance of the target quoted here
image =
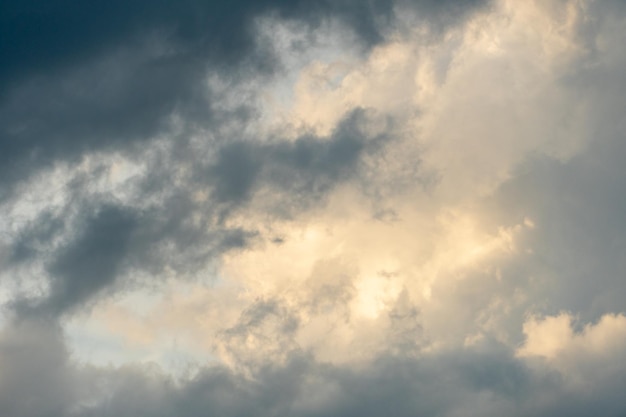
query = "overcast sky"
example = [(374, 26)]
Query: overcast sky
[(312, 208)]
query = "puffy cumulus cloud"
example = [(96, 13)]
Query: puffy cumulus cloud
[(589, 358), (312, 208), (555, 338), (501, 63)]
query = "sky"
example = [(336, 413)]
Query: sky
[(312, 208)]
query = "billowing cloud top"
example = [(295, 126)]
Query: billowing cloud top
[(312, 208)]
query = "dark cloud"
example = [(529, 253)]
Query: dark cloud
[(471, 383), (234, 173), (50, 36), (107, 105), (36, 236), (91, 262), (39, 36), (78, 77), (105, 243), (105, 239), (301, 171)]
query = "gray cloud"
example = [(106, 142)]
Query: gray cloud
[(578, 204), (84, 82), (106, 105), (83, 78), (40, 36), (39, 380), (472, 383), (302, 171), (578, 245), (104, 239), (78, 78), (91, 262)]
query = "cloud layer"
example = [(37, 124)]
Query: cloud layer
[(312, 208)]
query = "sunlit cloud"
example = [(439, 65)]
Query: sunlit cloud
[(309, 208)]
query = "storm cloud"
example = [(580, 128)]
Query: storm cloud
[(312, 208)]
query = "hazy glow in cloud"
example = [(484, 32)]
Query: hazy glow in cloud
[(364, 208)]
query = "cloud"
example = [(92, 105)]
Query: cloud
[(83, 78), (485, 381), (93, 239), (36, 379), (553, 337), (306, 168), (91, 262), (312, 208), (575, 206)]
